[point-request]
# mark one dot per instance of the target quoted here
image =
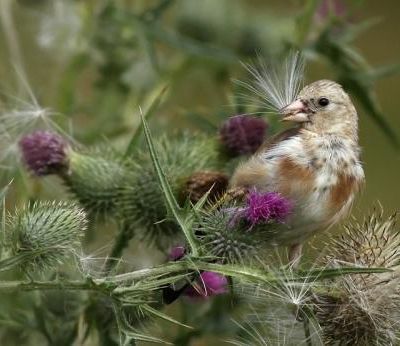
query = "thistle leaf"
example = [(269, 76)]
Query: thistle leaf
[(165, 317), (147, 115), (172, 204)]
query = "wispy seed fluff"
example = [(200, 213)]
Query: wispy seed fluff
[(363, 309), (45, 233), (274, 86)]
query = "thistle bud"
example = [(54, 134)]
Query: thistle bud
[(44, 152), (199, 183), (95, 179), (223, 236), (224, 232), (242, 134), (207, 285), (176, 253), (46, 232)]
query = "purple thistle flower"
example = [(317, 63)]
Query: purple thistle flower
[(176, 253), (44, 152), (266, 207), (331, 7), (243, 134), (207, 285)]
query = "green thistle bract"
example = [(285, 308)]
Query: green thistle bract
[(141, 203), (46, 232), (230, 240), (94, 178)]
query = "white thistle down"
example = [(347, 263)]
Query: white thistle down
[(274, 86), (21, 115)]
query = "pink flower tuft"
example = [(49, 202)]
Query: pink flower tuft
[(207, 285), (176, 253), (44, 152), (266, 207)]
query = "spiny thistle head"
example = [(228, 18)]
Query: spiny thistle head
[(141, 201), (46, 232), (363, 309), (199, 183), (95, 178), (207, 285), (242, 134), (44, 152), (239, 233), (224, 234)]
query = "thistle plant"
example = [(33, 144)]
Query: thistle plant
[(235, 232), (140, 202), (93, 177), (229, 276)]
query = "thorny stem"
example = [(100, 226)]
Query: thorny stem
[(51, 285), (115, 283)]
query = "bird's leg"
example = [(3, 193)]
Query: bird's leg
[(295, 252)]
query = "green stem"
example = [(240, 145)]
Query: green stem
[(121, 242), (307, 333), (86, 285)]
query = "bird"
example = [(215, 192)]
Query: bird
[(315, 163)]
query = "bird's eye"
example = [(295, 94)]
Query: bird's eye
[(323, 101)]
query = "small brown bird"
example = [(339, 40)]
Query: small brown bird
[(315, 164)]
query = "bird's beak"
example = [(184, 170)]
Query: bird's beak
[(297, 111)]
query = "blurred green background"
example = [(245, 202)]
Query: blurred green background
[(95, 62)]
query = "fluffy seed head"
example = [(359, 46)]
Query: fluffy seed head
[(207, 285), (199, 183), (275, 85), (363, 309), (242, 134), (44, 152), (46, 232)]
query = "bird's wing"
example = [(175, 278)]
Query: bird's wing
[(282, 136), (255, 173)]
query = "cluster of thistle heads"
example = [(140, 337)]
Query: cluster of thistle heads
[(104, 183)]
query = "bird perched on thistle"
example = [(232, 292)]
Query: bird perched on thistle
[(316, 163)]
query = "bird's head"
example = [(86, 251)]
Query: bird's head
[(323, 106)]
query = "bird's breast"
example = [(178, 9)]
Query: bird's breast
[(321, 177)]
